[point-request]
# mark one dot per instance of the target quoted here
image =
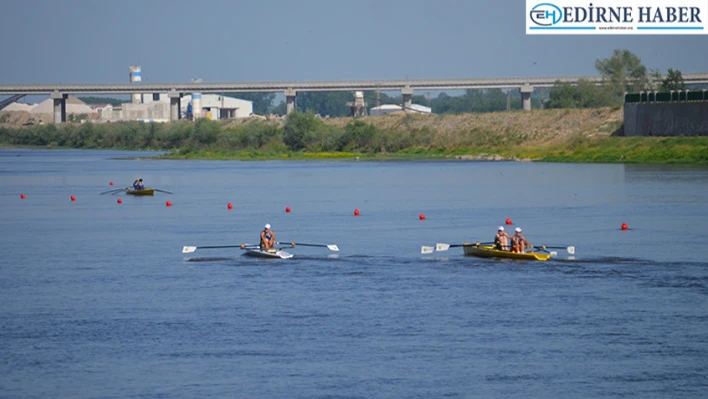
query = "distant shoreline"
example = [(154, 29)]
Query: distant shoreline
[(553, 135)]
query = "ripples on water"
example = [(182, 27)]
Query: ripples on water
[(98, 301)]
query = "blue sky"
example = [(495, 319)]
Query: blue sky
[(94, 41)]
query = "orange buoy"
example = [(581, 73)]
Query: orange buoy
[(22, 196), (287, 209), (73, 198), (168, 203), (508, 221), (230, 206), (110, 184), (624, 226), (120, 201), (356, 212), (421, 217)]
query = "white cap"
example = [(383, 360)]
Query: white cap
[(518, 229), (267, 226), (501, 228)]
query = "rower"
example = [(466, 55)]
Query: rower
[(138, 184), (267, 239), (519, 242), (501, 240)]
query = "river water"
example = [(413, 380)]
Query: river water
[(98, 301)]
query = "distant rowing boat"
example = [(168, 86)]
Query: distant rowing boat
[(145, 191), (488, 251)]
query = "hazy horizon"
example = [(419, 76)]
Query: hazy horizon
[(79, 41)]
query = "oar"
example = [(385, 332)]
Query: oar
[(122, 189), (190, 249), (163, 191), (426, 250), (445, 247), (570, 249), (113, 191), (331, 247)]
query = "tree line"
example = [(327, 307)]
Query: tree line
[(622, 72), (300, 132)]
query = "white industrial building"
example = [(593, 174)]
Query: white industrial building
[(214, 106), (391, 108)]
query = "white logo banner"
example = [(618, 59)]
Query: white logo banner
[(617, 17)]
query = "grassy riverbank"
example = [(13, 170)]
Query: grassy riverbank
[(582, 135)]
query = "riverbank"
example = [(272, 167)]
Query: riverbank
[(556, 135)]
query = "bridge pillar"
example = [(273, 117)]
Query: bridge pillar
[(290, 95), (526, 91), (406, 94), (175, 105), (59, 106)]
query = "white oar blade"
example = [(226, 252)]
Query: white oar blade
[(553, 253), (571, 250), (442, 247), (333, 247), (187, 250), (426, 250)]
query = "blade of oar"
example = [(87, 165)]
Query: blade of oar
[(163, 191), (570, 249), (190, 249), (426, 250), (444, 247), (112, 191), (331, 247)]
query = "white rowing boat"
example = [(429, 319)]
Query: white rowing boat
[(256, 251), (259, 253)]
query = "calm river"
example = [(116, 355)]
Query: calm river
[(98, 301)]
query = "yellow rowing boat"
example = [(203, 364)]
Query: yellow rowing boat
[(488, 251), (145, 191)]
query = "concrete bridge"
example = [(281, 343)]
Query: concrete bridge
[(59, 92)]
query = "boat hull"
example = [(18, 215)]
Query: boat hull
[(146, 191), (257, 253), (487, 251)]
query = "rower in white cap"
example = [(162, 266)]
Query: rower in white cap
[(501, 240), (519, 242), (267, 239)]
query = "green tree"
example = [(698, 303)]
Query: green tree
[(622, 72), (357, 135), (299, 128), (583, 95), (205, 131), (673, 81), (325, 103)]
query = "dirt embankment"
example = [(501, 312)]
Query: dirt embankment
[(543, 126)]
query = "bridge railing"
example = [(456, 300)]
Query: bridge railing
[(666, 96)]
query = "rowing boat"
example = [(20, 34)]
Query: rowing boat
[(259, 253), (488, 251), (145, 191)]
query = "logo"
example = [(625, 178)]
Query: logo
[(617, 17), (546, 14)]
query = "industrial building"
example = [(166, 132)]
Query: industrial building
[(156, 107), (391, 108), (214, 106)]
